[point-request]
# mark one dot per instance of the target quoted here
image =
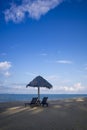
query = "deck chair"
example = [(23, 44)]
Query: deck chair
[(44, 102), (33, 101)]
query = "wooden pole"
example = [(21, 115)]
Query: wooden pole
[(38, 93)]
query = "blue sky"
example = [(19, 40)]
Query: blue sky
[(43, 37)]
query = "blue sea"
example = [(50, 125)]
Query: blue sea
[(27, 97)]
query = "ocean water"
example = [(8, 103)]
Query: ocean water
[(27, 97)]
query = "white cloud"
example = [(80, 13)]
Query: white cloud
[(76, 88), (30, 73), (34, 8), (18, 88), (21, 88), (64, 62), (4, 68), (15, 13), (7, 74), (5, 65)]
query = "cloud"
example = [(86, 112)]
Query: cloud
[(5, 65), (16, 88), (6, 87), (7, 74), (4, 68), (34, 8), (64, 62), (76, 88), (15, 13), (30, 73)]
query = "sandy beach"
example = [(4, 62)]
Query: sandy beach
[(66, 114)]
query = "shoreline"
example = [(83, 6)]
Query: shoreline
[(64, 114), (50, 102), (28, 97)]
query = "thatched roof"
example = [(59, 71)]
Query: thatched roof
[(39, 82)]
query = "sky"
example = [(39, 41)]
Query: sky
[(46, 38)]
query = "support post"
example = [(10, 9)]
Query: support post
[(38, 93)]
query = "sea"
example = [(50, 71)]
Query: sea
[(28, 97)]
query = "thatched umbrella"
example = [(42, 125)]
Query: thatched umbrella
[(39, 82)]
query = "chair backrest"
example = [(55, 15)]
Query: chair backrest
[(44, 100), (34, 100)]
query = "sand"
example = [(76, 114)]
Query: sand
[(67, 114)]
